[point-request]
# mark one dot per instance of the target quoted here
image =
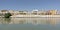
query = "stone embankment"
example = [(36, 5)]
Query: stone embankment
[(36, 16)]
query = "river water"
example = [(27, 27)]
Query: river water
[(29, 23)]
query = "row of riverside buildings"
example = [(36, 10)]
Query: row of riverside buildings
[(34, 12)]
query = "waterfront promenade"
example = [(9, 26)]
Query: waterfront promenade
[(34, 16)]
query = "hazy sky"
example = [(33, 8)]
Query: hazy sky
[(29, 4)]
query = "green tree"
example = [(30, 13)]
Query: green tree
[(7, 15)]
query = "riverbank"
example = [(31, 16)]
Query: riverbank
[(34, 16)]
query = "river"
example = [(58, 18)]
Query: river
[(29, 23)]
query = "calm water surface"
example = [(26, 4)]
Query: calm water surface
[(29, 23)]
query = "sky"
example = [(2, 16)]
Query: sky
[(29, 4)]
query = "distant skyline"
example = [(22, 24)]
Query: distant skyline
[(29, 4)]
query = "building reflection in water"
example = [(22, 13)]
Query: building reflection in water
[(35, 21)]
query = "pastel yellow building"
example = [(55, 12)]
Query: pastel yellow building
[(52, 12)]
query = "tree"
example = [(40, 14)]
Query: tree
[(7, 15)]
